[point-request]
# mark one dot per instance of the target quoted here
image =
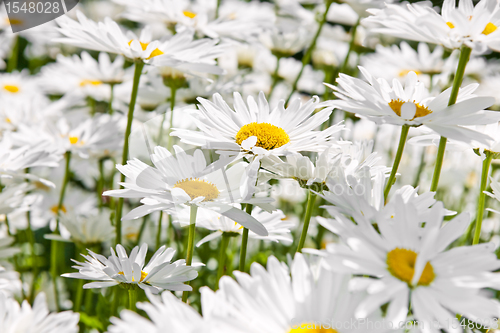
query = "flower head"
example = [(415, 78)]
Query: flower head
[(129, 271)]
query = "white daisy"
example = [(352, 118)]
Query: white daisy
[(303, 298), (166, 314), (129, 271), (186, 180), (395, 62), (180, 51), (87, 229), (258, 129), (84, 75), (411, 263), (411, 105), (475, 27), (27, 319)]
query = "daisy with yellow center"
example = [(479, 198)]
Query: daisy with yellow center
[(407, 257), (471, 25), (130, 272), (255, 129), (411, 105), (181, 181)]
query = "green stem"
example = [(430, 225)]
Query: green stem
[(135, 88), (111, 97), (31, 238), (158, 232), (351, 47), (311, 198), (14, 55), (421, 167), (244, 241), (482, 196), (275, 78), (399, 154), (54, 248), (100, 183), (79, 296), (141, 229), (172, 105), (457, 81), (222, 256), (132, 299), (91, 103), (190, 246), (217, 9), (308, 54)]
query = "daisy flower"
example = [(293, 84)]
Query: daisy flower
[(186, 180), (87, 229), (475, 27), (411, 105), (82, 75), (411, 264), (180, 51), (129, 271), (303, 298), (390, 62), (257, 129), (167, 314), (26, 319)]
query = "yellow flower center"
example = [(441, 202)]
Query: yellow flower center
[(451, 25), (11, 88), (198, 188), (312, 328), (156, 52), (91, 82), (13, 21), (53, 209), (143, 276), (189, 14), (490, 27), (73, 140), (405, 72), (8, 120), (268, 136), (401, 264), (421, 111)]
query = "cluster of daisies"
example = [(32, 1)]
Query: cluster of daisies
[(251, 166)]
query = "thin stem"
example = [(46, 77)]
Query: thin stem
[(14, 55), (172, 105), (307, 56), (421, 167), (141, 229), (244, 241), (222, 256), (132, 299), (111, 97), (79, 296), (190, 246), (351, 47), (135, 88), (54, 248), (397, 159), (459, 75), (275, 78), (482, 196), (217, 9), (158, 232), (311, 198), (100, 183), (31, 238)]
